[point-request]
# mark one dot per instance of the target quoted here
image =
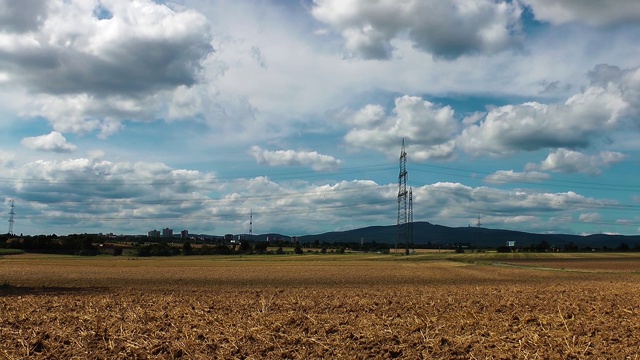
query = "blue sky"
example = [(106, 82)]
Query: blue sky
[(127, 116)]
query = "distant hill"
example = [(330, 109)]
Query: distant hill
[(425, 233)]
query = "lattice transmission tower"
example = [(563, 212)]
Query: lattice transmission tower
[(12, 215), (405, 212)]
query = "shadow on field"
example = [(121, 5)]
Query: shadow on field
[(11, 290)]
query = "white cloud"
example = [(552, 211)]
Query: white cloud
[(568, 161), (443, 28), (593, 13), (92, 193), (6, 158), (103, 70), (576, 123), (455, 203), (590, 217), (313, 159), (426, 127), (369, 116), (521, 219), (510, 176), (54, 142)]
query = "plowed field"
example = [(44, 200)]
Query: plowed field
[(315, 306)]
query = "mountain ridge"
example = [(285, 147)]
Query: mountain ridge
[(426, 234)]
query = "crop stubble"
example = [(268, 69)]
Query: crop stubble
[(311, 308)]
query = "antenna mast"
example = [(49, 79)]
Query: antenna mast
[(403, 225), (12, 214), (251, 224)]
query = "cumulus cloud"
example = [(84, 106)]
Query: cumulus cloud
[(590, 217), (426, 127), (446, 29), (577, 123), (626, 80), (91, 193), (568, 161), (54, 142), (313, 159), (101, 195), (447, 202), (120, 63), (510, 176), (592, 13)]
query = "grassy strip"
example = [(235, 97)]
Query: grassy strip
[(11, 251)]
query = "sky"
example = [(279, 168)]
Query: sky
[(125, 116)]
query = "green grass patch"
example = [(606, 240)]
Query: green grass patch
[(11, 251)]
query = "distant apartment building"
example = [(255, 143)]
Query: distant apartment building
[(153, 234), (167, 233), (184, 234)]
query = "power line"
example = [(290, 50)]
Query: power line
[(212, 180), (527, 180)]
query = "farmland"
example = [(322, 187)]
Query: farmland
[(432, 305)]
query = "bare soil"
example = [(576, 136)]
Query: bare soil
[(313, 306)]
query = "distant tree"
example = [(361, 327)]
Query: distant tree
[(279, 251), (623, 247), (160, 249), (571, 247), (187, 249), (260, 247), (245, 247), (298, 249), (542, 246)]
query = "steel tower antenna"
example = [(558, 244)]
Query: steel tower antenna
[(403, 231), (12, 214)]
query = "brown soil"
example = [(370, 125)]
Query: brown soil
[(205, 308)]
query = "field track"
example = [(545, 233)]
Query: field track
[(357, 306)]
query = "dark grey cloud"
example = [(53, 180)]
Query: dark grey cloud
[(134, 67), (603, 74), (592, 12), (112, 56), (445, 29), (22, 15)]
